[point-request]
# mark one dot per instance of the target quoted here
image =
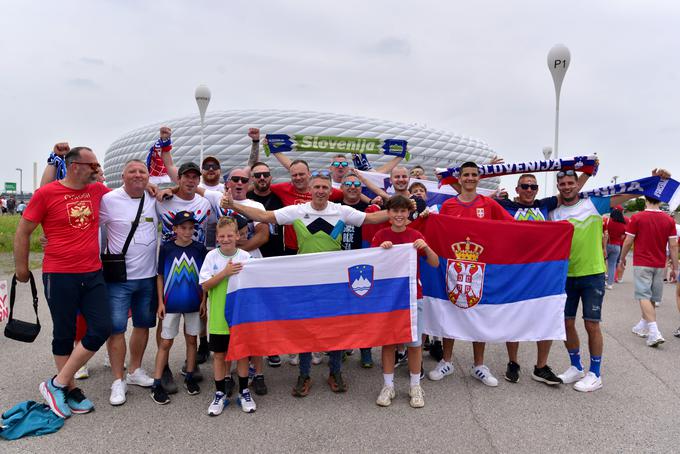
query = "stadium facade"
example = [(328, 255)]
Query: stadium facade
[(225, 136)]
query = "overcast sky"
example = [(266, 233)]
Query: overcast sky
[(90, 71)]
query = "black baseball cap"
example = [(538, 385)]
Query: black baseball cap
[(183, 216), (241, 221), (188, 167)]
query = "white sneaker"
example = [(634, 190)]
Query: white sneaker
[(246, 402), (571, 375), (82, 373), (416, 394), (483, 374), (654, 340), (610, 287), (118, 391), (139, 377), (317, 357), (589, 383), (217, 404), (442, 369), (293, 359), (657, 303), (386, 395), (642, 332)]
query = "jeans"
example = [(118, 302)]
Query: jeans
[(613, 254), (138, 295), (334, 362), (590, 291)]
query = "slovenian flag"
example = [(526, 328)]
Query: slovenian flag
[(497, 281), (322, 302)]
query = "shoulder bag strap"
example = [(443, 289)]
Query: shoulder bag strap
[(13, 295), (135, 223)]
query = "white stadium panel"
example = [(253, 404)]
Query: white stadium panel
[(225, 136)]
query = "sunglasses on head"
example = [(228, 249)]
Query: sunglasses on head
[(93, 165), (569, 173), (349, 184), (262, 174), (340, 164), (211, 166), (321, 173), (243, 180), (525, 186)]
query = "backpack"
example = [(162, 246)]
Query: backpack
[(29, 419)]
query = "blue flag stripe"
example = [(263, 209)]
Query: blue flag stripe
[(263, 304), (504, 284)]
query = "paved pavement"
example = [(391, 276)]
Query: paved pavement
[(636, 410)]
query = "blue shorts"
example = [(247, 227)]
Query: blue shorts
[(419, 340), (590, 290), (138, 295)]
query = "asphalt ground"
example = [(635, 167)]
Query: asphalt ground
[(635, 411)]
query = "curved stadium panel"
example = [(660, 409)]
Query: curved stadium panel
[(225, 136)]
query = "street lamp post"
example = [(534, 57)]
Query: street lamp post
[(202, 95), (547, 151), (21, 183), (559, 58)]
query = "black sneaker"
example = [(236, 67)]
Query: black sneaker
[(274, 361), (168, 381), (427, 344), (229, 385), (198, 375), (400, 358), (258, 385), (512, 372), (422, 373), (437, 351), (159, 395), (202, 354), (191, 386), (545, 375)]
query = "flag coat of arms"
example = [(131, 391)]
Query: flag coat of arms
[(497, 281), (322, 302)]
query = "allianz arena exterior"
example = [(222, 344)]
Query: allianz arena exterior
[(225, 136)]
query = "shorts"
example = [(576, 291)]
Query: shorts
[(419, 324), (648, 283), (70, 293), (137, 296), (588, 289), (218, 343), (170, 327)]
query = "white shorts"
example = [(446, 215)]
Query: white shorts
[(170, 329)]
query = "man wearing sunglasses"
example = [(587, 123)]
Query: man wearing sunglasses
[(261, 177), (210, 180), (338, 168)]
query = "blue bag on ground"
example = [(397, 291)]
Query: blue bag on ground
[(29, 419)]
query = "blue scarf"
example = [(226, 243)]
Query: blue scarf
[(665, 190), (58, 162)]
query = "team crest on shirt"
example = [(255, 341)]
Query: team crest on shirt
[(480, 213), (360, 279), (465, 274), (80, 214)]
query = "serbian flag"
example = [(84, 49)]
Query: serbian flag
[(497, 281), (322, 302)]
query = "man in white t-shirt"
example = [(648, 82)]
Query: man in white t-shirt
[(117, 213)]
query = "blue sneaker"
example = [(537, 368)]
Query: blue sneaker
[(78, 403), (55, 398)]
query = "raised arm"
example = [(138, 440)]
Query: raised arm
[(165, 133), (387, 167), (283, 159), (371, 187), (50, 173), (254, 134)]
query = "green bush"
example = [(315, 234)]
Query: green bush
[(8, 227)]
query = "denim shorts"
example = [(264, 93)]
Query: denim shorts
[(588, 289), (138, 296), (419, 340), (648, 283)]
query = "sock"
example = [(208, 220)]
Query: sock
[(642, 324), (56, 383), (415, 379), (653, 328), (575, 358), (156, 382), (595, 362), (389, 380), (242, 384), (220, 386)]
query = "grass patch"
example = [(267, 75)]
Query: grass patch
[(8, 227)]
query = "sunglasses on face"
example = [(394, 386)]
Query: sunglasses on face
[(321, 174), (340, 164), (525, 186), (563, 173), (349, 184), (93, 165), (262, 174), (243, 180), (211, 166)]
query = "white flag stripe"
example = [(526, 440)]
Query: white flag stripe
[(529, 320)]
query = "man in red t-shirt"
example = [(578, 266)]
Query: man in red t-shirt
[(68, 210), (651, 230), (469, 204)]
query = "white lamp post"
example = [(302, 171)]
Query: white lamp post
[(547, 152), (559, 58), (21, 183), (202, 95)]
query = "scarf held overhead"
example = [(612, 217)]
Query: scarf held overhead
[(666, 190), (277, 143)]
